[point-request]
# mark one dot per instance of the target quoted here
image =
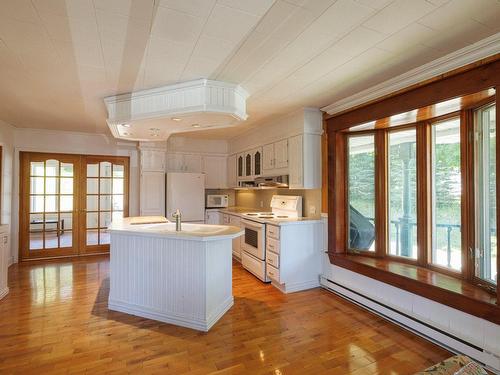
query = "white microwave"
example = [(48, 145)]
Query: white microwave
[(217, 200)]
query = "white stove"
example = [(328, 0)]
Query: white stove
[(283, 207)]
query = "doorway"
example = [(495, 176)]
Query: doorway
[(68, 201)]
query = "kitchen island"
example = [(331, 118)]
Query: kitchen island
[(178, 277)]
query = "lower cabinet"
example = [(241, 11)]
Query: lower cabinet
[(236, 221), (294, 247), (152, 194), (213, 217)]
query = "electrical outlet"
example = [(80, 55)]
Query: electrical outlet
[(312, 210)]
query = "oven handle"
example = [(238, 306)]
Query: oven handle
[(252, 224)]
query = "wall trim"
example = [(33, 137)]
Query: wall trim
[(482, 49)]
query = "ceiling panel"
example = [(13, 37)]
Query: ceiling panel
[(198, 8), (66, 8), (176, 26), (60, 58)]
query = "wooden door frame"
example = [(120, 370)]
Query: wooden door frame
[(99, 249), (24, 206), (79, 202)]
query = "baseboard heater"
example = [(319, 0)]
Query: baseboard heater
[(444, 339)]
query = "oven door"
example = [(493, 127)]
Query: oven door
[(254, 238)]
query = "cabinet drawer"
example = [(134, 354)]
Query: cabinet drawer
[(273, 273), (273, 259), (273, 231), (272, 245)]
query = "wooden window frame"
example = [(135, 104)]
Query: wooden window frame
[(467, 287)]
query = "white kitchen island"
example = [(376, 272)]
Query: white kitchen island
[(182, 278)]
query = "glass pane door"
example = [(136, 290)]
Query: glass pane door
[(104, 199), (48, 211)]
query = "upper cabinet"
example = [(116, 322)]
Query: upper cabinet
[(275, 155), (215, 168), (152, 160), (190, 163), (305, 161), (240, 163), (257, 162), (232, 171)]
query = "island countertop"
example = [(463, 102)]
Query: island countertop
[(189, 231)]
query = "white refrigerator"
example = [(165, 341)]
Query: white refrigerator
[(186, 192)]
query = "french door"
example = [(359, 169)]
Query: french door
[(68, 201)]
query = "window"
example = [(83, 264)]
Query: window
[(486, 248), (402, 189), (409, 188), (420, 167), (446, 194), (361, 192)]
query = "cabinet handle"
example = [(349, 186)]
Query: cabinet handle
[(270, 261)]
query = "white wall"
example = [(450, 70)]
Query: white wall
[(7, 143), (36, 140)]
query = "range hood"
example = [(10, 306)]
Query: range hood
[(274, 182), (155, 114)]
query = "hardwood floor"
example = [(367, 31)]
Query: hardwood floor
[(55, 321)]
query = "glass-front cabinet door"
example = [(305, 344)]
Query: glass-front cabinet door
[(104, 198), (48, 207)]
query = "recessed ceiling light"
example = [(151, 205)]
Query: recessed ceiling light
[(176, 119), (126, 125), (196, 126), (126, 133)]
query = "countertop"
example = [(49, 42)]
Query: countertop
[(240, 211), (193, 232)]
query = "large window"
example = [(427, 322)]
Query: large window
[(486, 249), (446, 194), (410, 186), (361, 192)]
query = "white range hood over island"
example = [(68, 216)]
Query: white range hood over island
[(182, 278)]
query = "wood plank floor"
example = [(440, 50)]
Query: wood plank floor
[(55, 321)]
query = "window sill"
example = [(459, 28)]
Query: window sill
[(427, 283)]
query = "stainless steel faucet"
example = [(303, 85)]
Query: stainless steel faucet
[(177, 216)]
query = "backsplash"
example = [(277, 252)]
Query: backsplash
[(261, 199)]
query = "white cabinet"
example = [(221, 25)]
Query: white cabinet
[(275, 155), (177, 162), (152, 194), (268, 156), (236, 221), (215, 169), (294, 247), (295, 175), (304, 164), (4, 260), (213, 217), (153, 160), (231, 172), (152, 180), (192, 163), (281, 154)]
